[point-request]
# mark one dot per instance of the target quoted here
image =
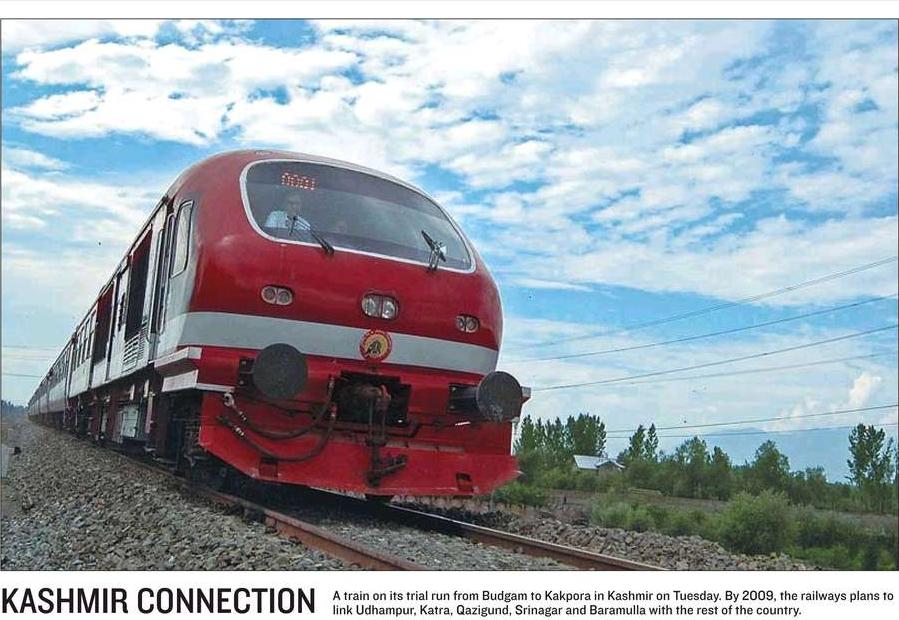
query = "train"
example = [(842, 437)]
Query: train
[(296, 319)]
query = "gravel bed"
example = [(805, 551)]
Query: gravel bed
[(671, 552), (69, 505), (431, 549)]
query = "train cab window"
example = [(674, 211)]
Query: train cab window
[(352, 210), (182, 238)]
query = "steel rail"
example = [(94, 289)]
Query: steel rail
[(313, 536), (286, 526), (564, 554)]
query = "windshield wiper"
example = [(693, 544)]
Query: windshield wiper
[(298, 223), (438, 251)]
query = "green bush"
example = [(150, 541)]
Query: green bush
[(520, 494), (837, 556), (558, 478), (681, 523), (588, 481), (815, 530), (756, 524), (640, 520), (660, 516), (612, 515)]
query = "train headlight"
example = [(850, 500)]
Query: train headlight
[(277, 295), (388, 308), (380, 306), (284, 298), (468, 324), (370, 305)]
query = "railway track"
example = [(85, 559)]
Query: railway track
[(579, 558), (314, 536), (290, 526)]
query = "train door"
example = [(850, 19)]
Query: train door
[(135, 325), (100, 354), (176, 281), (118, 323), (163, 224)]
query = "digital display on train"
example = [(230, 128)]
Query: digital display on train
[(290, 179)]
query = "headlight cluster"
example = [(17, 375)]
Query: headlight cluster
[(277, 295), (467, 324), (380, 306)]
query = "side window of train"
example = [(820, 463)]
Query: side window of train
[(182, 238)]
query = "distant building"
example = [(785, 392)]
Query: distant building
[(597, 463)]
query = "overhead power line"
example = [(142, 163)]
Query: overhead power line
[(22, 346), (706, 335), (28, 356), (16, 374), (716, 363), (730, 304), (749, 371), (756, 420), (740, 433)]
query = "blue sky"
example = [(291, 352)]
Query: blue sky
[(610, 173)]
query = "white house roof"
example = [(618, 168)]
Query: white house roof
[(595, 462)]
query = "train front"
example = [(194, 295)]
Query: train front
[(360, 330)]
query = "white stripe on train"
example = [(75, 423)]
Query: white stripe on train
[(245, 331)]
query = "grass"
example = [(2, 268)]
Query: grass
[(762, 524)]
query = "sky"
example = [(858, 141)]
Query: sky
[(612, 174)]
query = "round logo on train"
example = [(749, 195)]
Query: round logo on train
[(375, 345)]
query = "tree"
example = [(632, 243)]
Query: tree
[(651, 445), (587, 433), (527, 440), (720, 475), (527, 448), (872, 465), (770, 470), (635, 448), (693, 460)]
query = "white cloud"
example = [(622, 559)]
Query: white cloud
[(71, 209), (591, 114), (862, 389), (18, 34), (26, 158), (777, 252)]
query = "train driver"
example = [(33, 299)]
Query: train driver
[(288, 217)]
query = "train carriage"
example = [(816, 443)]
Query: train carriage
[(301, 320)]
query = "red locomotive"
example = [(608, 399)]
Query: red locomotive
[(305, 321)]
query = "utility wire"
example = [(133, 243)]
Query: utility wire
[(22, 346), (707, 335), (795, 417), (730, 304), (16, 374), (749, 371), (739, 433), (716, 363)]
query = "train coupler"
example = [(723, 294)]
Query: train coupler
[(383, 467)]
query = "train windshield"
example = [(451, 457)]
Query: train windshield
[(350, 210)]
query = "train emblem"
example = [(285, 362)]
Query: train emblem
[(375, 345)]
